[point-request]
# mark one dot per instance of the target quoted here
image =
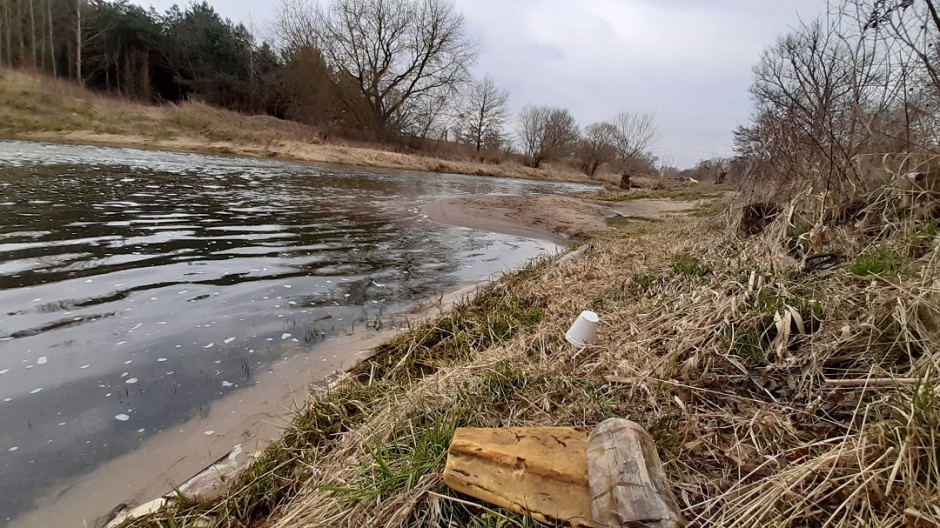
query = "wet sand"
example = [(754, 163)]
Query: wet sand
[(251, 417), (248, 419), (562, 220)]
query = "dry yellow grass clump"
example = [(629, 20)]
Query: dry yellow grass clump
[(47, 109), (779, 394)]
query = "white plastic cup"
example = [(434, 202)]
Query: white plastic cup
[(584, 330)]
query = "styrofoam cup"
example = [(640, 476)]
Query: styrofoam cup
[(584, 330)]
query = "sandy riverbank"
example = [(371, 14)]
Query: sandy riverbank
[(244, 422), (38, 108), (561, 219), (252, 418)]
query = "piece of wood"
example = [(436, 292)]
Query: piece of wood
[(538, 471), (628, 485), (871, 382), (576, 254)]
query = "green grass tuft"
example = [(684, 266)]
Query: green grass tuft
[(881, 261), (689, 266)]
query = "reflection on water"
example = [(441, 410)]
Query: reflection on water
[(137, 287)]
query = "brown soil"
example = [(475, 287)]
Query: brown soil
[(559, 219)]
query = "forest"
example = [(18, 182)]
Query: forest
[(392, 72)]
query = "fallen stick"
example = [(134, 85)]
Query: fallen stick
[(870, 382)]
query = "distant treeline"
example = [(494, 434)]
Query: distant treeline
[(121, 47), (375, 70)]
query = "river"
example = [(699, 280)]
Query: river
[(139, 287)]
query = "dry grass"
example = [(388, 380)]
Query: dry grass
[(42, 108), (721, 347)]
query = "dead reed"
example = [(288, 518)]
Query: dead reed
[(778, 394)]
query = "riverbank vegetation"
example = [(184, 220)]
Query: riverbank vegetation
[(783, 351), (777, 395), (38, 108), (394, 75)]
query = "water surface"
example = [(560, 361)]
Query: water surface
[(136, 287)]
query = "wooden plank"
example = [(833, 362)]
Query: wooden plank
[(627, 482), (538, 471)]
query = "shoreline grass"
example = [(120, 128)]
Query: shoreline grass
[(720, 346), (39, 108)]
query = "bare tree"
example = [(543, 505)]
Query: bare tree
[(547, 133), (483, 113), (424, 117), (915, 25), (396, 51), (32, 26), (818, 95), (295, 25), (598, 146), (4, 30), (51, 38), (636, 134), (79, 5)]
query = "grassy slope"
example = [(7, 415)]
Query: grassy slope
[(41, 108), (691, 347)]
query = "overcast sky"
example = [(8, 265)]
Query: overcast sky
[(687, 61)]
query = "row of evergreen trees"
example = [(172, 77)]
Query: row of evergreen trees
[(120, 47)]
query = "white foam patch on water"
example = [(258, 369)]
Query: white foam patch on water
[(122, 417), (131, 381), (42, 360), (36, 391), (229, 340), (210, 345)]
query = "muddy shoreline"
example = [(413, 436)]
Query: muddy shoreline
[(250, 419), (564, 220), (246, 421)]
